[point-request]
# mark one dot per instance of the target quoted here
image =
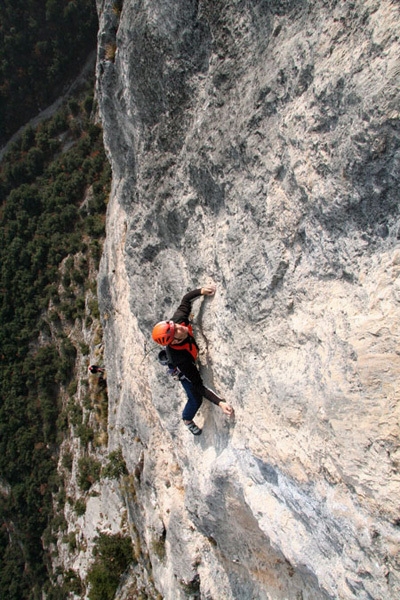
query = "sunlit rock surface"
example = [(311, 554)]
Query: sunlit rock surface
[(255, 144)]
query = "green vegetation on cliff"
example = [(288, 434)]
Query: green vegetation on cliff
[(113, 555), (54, 185)]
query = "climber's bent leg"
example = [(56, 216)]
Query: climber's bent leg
[(193, 403)]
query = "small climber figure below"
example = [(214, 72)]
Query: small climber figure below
[(180, 354), (94, 369)]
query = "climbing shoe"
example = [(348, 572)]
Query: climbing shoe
[(193, 428)]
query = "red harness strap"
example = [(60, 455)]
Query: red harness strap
[(190, 345)]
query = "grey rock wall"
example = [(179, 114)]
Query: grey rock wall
[(256, 144)]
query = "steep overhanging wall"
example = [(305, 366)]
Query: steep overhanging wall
[(256, 144)]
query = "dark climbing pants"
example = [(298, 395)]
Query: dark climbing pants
[(194, 400)]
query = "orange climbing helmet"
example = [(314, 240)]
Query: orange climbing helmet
[(163, 333)]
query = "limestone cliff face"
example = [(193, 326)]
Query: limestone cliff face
[(255, 144)]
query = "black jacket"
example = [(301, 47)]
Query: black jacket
[(182, 358)]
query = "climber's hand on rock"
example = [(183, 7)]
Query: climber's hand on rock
[(208, 290), (226, 408)]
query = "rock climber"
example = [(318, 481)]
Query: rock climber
[(181, 353), (95, 369)]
